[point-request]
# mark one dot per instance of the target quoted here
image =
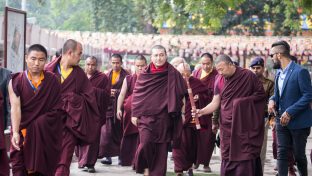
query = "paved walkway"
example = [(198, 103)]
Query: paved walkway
[(114, 169)]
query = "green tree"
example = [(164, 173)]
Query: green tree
[(284, 16), (115, 16), (195, 15), (63, 15)]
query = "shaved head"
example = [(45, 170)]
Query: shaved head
[(176, 61), (184, 68)]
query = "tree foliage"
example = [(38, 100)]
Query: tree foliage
[(179, 16)]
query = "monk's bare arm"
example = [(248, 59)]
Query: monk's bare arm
[(121, 98), (183, 110), (15, 116), (211, 107)]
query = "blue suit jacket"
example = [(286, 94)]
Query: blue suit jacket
[(296, 97)]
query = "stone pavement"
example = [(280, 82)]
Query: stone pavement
[(114, 169)]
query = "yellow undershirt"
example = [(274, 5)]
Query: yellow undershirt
[(65, 73), (204, 74), (115, 77)]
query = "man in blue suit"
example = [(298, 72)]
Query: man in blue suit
[(291, 103)]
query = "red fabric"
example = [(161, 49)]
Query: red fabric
[(157, 102), (79, 102), (128, 147), (88, 154), (129, 142), (4, 161), (128, 127), (196, 145), (206, 138), (42, 118), (2, 138), (111, 111), (159, 69), (111, 132), (101, 85), (207, 80), (185, 156), (251, 167), (164, 91), (241, 122), (204, 93)]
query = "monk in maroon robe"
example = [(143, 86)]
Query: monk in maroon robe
[(4, 161), (242, 100), (207, 137), (157, 102), (88, 154), (111, 132), (36, 114), (191, 144), (130, 138), (82, 119)]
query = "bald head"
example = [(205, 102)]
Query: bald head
[(72, 51), (224, 58), (184, 68), (225, 65), (91, 65), (176, 61), (92, 58)]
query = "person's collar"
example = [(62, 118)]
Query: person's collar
[(159, 69), (287, 67), (208, 73), (114, 71)]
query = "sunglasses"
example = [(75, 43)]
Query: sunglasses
[(271, 55)]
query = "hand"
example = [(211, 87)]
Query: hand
[(196, 97), (271, 108), (15, 140), (285, 118), (272, 123), (134, 121), (215, 128), (119, 114), (196, 112)]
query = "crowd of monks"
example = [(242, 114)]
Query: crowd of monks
[(59, 110)]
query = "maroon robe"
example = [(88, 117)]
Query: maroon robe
[(157, 102), (129, 141), (241, 122), (111, 132), (88, 154), (42, 118), (4, 161), (191, 144), (82, 121), (207, 137)]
